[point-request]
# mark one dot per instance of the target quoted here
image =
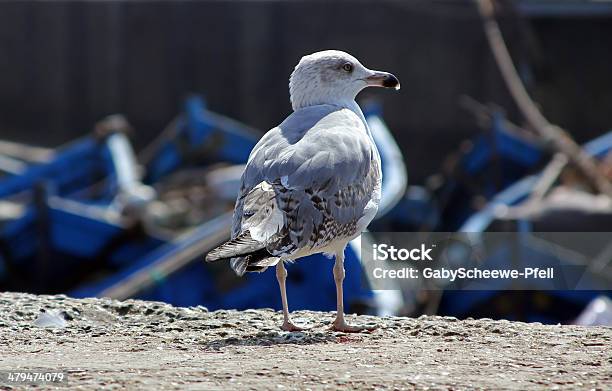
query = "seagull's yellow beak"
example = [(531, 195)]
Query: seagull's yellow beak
[(383, 79)]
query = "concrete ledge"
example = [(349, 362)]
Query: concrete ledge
[(148, 345)]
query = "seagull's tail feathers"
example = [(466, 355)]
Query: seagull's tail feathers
[(257, 261), (245, 254), (241, 245)]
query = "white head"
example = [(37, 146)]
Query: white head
[(333, 77)]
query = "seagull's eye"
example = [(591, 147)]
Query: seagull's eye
[(348, 67)]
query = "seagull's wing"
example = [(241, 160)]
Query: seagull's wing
[(307, 183)]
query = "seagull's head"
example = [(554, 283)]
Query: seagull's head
[(333, 77)]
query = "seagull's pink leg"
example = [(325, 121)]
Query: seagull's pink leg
[(340, 324), (281, 276)]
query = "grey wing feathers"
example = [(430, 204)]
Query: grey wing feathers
[(307, 182)]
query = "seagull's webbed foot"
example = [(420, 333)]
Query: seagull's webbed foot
[(347, 328), (288, 326)]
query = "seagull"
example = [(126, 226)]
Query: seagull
[(313, 183)]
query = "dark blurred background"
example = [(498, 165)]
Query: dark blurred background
[(64, 65)]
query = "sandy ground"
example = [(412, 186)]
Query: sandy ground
[(147, 345)]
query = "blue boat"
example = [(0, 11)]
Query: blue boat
[(540, 303)]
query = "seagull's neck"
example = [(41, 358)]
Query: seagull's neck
[(357, 110), (354, 107), (350, 104)]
